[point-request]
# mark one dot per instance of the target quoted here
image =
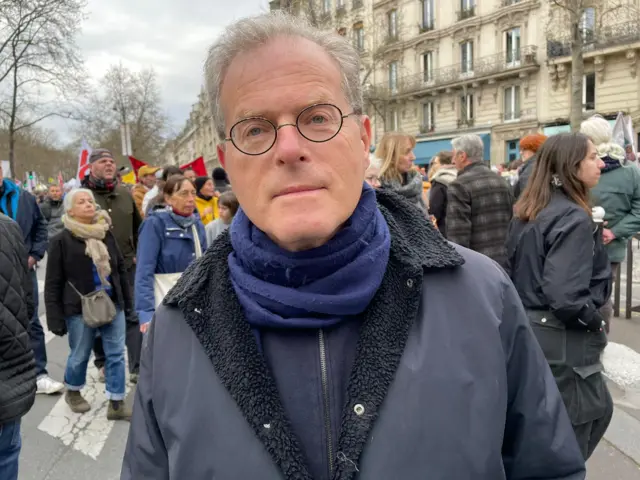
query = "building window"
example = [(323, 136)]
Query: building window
[(512, 150), (589, 92), (427, 67), (588, 24), (512, 46), (467, 9), (393, 77), (326, 6), (466, 108), (392, 20), (358, 35), (392, 121), (339, 3), (512, 103), (466, 57), (428, 117), (427, 15)]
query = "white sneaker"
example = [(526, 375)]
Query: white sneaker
[(48, 386)]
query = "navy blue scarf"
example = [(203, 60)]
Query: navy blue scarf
[(315, 288), (610, 164)]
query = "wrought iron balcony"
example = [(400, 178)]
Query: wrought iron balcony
[(341, 10), (465, 123), (466, 13), (482, 67), (508, 3), (606, 36), (519, 115), (427, 128), (391, 39)]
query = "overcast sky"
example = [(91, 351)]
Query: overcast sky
[(172, 36)]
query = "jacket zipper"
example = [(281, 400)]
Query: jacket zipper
[(325, 397)]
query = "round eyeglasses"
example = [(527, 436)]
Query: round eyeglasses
[(317, 123)]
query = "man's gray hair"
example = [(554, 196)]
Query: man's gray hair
[(250, 33), (69, 197), (472, 145)]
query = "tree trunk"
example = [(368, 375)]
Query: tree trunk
[(577, 73), (12, 121)]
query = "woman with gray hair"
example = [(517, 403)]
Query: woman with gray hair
[(83, 258), (618, 192)]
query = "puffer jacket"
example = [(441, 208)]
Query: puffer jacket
[(17, 364), (438, 195), (618, 192), (164, 247), (411, 386)]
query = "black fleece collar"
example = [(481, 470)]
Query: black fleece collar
[(210, 307)]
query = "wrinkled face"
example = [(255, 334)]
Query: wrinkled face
[(83, 209), (55, 193), (190, 175), (406, 158), (589, 169), (183, 200), (460, 159), (208, 189), (299, 192), (372, 176), (104, 169), (148, 180)]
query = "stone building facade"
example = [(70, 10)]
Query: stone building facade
[(497, 68)]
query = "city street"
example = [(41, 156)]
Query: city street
[(59, 445)]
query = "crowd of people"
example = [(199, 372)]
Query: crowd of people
[(297, 301)]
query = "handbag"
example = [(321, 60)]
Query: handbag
[(163, 282), (97, 308)]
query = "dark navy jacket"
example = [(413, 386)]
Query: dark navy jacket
[(163, 247), (422, 386), (25, 211)]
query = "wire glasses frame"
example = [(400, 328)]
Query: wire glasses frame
[(330, 131)]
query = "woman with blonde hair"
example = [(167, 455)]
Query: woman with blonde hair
[(397, 172)]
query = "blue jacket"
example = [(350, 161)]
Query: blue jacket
[(163, 247), (25, 211), (422, 385)]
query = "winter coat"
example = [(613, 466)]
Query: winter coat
[(52, 211), (523, 177), (423, 388), (138, 192), (164, 247), (203, 205), (618, 192), (479, 209), (17, 364), (125, 217), (22, 207), (438, 196), (150, 195), (561, 271), (68, 262)]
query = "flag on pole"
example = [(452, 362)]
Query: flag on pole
[(197, 165), (136, 165), (60, 180), (83, 160), (130, 178)]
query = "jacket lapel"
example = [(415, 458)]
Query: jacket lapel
[(208, 301)]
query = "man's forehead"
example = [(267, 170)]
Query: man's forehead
[(295, 106)]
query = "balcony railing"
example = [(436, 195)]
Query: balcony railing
[(465, 123), (391, 38), (482, 67), (522, 114), (508, 3), (427, 128), (466, 13), (606, 36), (341, 10), (357, 4)]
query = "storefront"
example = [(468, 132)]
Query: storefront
[(426, 149)]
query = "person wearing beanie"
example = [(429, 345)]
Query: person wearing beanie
[(220, 180), (618, 192), (529, 146), (146, 181), (206, 201)]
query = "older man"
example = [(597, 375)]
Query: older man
[(479, 202), (322, 338)]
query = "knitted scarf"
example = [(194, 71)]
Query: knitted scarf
[(315, 288), (410, 188), (93, 235)]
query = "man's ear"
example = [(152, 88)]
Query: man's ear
[(365, 137)]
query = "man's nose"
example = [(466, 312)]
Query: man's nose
[(288, 147)]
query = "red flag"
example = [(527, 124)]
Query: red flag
[(197, 165), (60, 180), (136, 165), (83, 160)]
